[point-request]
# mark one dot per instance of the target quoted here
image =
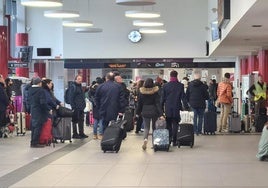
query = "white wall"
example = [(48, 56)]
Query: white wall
[(238, 9), (184, 20), (44, 32)]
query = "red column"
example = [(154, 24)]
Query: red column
[(40, 69), (244, 66), (252, 63), (263, 64), (22, 40), (3, 51)]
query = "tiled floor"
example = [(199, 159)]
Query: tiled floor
[(214, 161)]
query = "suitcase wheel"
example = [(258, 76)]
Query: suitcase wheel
[(62, 141), (116, 151), (179, 145), (104, 151), (191, 145), (71, 141)]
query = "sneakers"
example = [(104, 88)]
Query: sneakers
[(95, 137), (76, 136), (144, 146), (100, 137), (83, 136)]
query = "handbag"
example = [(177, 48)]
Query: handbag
[(149, 111), (64, 112)]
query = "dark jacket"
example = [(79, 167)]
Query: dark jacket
[(3, 99), (78, 97), (39, 107), (25, 97), (149, 96), (110, 100), (172, 97), (212, 90), (91, 98), (197, 94)]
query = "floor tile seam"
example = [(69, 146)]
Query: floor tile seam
[(144, 172), (30, 168), (108, 171)]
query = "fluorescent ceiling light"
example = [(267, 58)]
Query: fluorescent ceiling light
[(152, 31), (61, 14), (135, 2), (143, 23), (77, 23), (141, 14), (42, 3), (88, 30)]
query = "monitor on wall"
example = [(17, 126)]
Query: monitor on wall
[(43, 51)]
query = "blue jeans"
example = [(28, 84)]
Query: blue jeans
[(198, 119), (98, 122)]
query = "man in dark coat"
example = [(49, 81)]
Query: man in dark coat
[(197, 95), (78, 104), (172, 97), (39, 110), (3, 103), (110, 100)]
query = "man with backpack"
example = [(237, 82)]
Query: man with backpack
[(76, 98)]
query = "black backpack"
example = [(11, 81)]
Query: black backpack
[(68, 93)]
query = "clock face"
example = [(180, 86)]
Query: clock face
[(134, 36)]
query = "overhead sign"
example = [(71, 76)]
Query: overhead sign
[(15, 64)]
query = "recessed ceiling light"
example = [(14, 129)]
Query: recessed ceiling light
[(88, 30), (135, 2), (257, 25), (42, 3), (152, 31), (61, 14), (77, 23), (143, 23), (141, 14)]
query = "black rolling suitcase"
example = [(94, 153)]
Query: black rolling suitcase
[(62, 129), (185, 136), (210, 122), (129, 117), (113, 136)]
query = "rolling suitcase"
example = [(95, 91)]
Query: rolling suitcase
[(28, 121), (46, 133), (234, 120), (161, 136), (129, 117), (210, 122), (113, 136), (62, 130), (161, 139), (21, 123), (185, 136)]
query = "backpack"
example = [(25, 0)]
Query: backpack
[(68, 93)]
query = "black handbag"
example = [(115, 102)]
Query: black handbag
[(64, 112)]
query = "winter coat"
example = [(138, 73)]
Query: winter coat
[(224, 92), (212, 90), (149, 96), (110, 100), (25, 97), (78, 101), (197, 94), (172, 97), (91, 98), (3, 99), (38, 104)]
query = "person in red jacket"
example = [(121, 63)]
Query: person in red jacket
[(225, 98)]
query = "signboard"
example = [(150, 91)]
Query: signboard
[(15, 64)]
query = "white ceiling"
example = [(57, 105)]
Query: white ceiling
[(244, 39)]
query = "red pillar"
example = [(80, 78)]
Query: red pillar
[(3, 51), (263, 64), (40, 69), (252, 63), (244, 66), (22, 40)]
